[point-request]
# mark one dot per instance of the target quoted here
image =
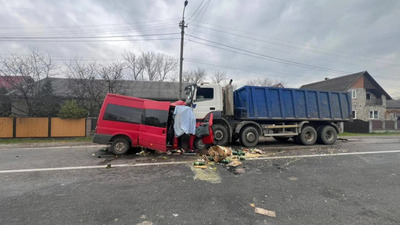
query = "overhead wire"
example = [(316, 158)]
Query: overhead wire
[(97, 31), (288, 44), (85, 26), (196, 10), (261, 56), (86, 37), (65, 40)]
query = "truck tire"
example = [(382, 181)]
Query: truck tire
[(308, 135), (249, 136), (281, 139), (120, 146), (199, 145), (221, 134), (327, 135)]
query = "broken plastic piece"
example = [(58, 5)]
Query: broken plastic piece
[(264, 212)]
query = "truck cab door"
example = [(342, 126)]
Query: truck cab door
[(153, 129), (208, 99)]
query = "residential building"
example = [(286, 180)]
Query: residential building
[(369, 99)]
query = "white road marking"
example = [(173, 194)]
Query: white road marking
[(90, 167), (324, 155), (55, 147), (186, 162)]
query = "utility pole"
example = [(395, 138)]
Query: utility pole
[(182, 25)]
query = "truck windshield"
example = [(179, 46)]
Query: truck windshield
[(204, 94)]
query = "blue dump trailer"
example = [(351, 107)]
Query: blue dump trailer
[(305, 116), (268, 103)]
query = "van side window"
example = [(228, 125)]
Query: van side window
[(156, 118), (204, 94), (123, 114)]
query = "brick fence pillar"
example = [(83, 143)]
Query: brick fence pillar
[(370, 126), (88, 126)]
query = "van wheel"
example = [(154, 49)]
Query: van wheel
[(120, 146), (308, 135), (327, 135), (249, 136), (220, 134), (199, 144)]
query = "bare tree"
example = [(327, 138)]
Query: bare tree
[(111, 74), (86, 86), (135, 65), (168, 65), (174, 77), (151, 64), (195, 76), (22, 74), (261, 82), (218, 77)]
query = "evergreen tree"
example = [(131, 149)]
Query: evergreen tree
[(71, 109)]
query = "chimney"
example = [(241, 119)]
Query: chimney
[(326, 78)]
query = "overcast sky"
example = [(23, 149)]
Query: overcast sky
[(296, 42)]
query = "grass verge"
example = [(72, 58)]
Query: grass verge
[(44, 140)]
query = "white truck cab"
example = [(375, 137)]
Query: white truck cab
[(207, 98)]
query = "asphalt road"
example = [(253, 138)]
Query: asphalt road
[(355, 182)]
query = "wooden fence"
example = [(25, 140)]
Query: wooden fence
[(28, 127)]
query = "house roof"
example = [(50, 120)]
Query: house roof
[(155, 90), (343, 83), (393, 104), (7, 82), (279, 85)]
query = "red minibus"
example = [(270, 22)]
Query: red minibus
[(126, 122)]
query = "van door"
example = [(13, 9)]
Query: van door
[(153, 129)]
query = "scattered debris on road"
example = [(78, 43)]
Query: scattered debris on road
[(264, 212)]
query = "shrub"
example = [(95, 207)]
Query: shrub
[(71, 109)]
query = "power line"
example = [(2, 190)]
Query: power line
[(291, 45), (46, 40), (197, 61), (157, 27), (262, 56), (283, 51), (85, 26), (204, 11), (196, 10), (86, 37)]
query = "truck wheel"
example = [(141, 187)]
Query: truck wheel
[(120, 146), (308, 135), (327, 135), (199, 145), (249, 136), (281, 139), (221, 134)]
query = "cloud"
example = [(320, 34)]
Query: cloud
[(311, 39)]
